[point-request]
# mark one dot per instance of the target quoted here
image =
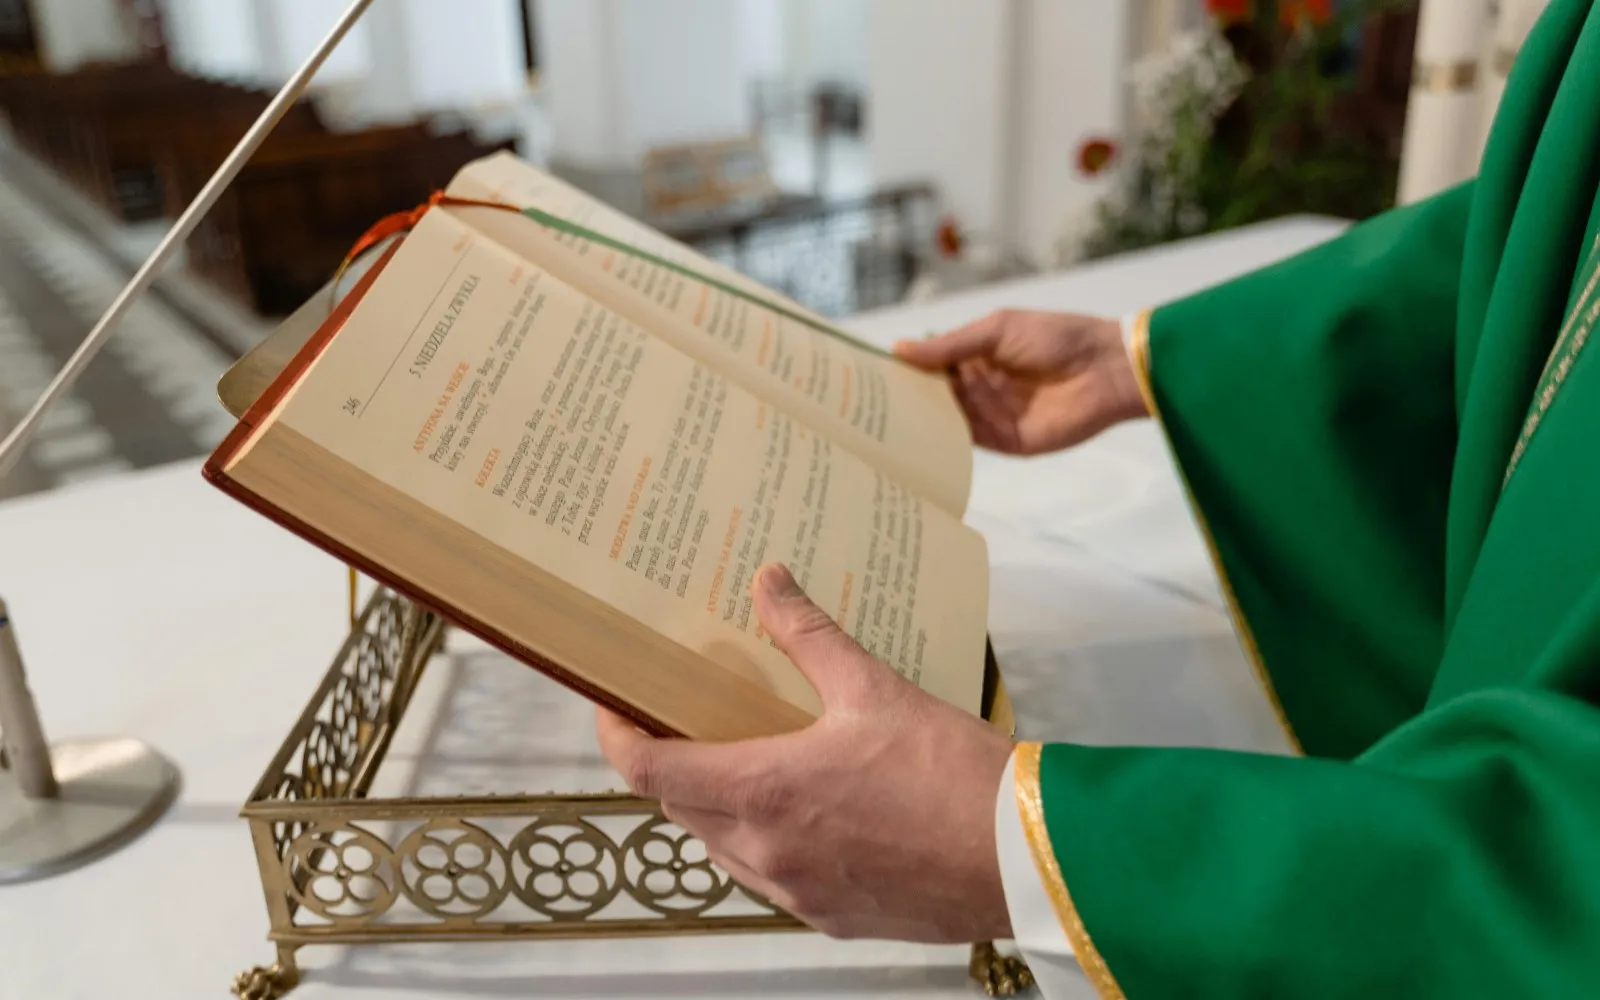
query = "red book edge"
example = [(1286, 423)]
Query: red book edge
[(215, 474)]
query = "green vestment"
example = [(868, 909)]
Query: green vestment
[(1393, 443)]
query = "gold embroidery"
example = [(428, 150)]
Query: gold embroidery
[(1445, 78), (1030, 803), (1582, 318), (1247, 639), (1577, 307)]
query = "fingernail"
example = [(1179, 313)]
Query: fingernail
[(777, 581)]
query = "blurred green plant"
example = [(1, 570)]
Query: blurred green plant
[(1260, 114)]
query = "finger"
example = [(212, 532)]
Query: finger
[(698, 775), (978, 391), (746, 877), (936, 353), (989, 408), (984, 433), (1001, 384), (720, 835), (830, 659), (713, 827)]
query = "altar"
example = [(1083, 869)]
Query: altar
[(152, 606)]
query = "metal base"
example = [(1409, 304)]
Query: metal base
[(112, 790)]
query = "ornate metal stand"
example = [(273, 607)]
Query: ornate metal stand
[(338, 867)]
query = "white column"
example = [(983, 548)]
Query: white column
[(216, 38), (488, 71), (990, 102), (682, 73), (622, 76), (579, 84), (1071, 90), (762, 38), (938, 91), (835, 34), (404, 59), (1443, 138), (74, 32), (1512, 23)]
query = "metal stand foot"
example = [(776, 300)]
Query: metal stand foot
[(999, 975), (273, 982), (108, 792)]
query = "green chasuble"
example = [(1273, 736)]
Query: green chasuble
[(1393, 443)]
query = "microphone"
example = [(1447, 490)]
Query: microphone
[(64, 805)]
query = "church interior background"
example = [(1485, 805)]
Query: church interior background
[(853, 153)]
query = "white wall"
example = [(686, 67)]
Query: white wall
[(762, 29), (830, 39), (990, 100), (290, 30), (215, 38), (621, 76), (465, 61), (938, 90), (1072, 90), (681, 71), (576, 79), (74, 32), (263, 42), (405, 57)]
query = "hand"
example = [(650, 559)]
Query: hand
[(875, 821), (1033, 382)]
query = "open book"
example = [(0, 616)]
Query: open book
[(579, 440)]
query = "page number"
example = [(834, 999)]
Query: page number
[(352, 406)]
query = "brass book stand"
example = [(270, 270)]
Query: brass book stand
[(340, 867)]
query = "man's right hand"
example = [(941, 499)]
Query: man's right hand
[(1035, 382)]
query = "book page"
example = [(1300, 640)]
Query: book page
[(556, 430), (503, 177), (901, 420)]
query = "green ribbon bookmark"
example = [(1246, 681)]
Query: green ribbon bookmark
[(573, 229)]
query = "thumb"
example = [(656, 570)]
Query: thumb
[(830, 659), (937, 353)]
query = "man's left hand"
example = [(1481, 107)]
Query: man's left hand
[(875, 821)]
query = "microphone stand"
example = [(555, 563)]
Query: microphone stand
[(66, 804)]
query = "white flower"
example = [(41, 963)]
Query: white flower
[(1197, 72)]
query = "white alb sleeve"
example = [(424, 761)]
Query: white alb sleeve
[(1034, 924)]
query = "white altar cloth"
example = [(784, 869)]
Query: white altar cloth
[(152, 606)]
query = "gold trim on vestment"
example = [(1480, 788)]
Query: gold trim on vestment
[(1247, 638), (1557, 365), (1445, 78), (1030, 803)]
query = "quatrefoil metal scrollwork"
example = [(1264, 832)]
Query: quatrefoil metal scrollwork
[(323, 770), (387, 632), (341, 873), (350, 720), (371, 672), (667, 869), (290, 788), (454, 870), (566, 870)]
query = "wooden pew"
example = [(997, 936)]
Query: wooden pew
[(48, 111), (129, 152), (294, 212), (108, 129)]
